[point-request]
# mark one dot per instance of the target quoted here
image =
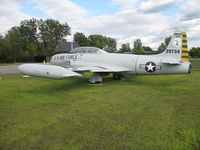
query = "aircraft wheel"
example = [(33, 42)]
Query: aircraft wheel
[(117, 76)]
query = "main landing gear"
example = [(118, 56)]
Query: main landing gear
[(97, 77), (117, 76)]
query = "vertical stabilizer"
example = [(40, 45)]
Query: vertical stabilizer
[(177, 47)]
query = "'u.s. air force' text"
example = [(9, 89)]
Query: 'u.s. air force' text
[(71, 57)]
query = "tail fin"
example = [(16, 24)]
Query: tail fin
[(177, 47)]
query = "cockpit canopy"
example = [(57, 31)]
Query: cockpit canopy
[(89, 50)]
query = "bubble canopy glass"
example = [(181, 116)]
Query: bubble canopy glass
[(92, 50)]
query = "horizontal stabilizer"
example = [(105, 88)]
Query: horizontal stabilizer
[(171, 62)]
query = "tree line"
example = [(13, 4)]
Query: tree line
[(138, 48), (32, 37), (195, 52), (38, 37), (107, 43)]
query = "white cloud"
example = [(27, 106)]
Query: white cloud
[(153, 6), (126, 25), (192, 27), (188, 18), (64, 10), (124, 4), (132, 24), (190, 10), (146, 41), (10, 15)]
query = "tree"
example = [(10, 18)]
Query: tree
[(147, 48), (100, 41), (164, 45), (103, 42), (125, 48), (15, 43), (51, 31), (32, 38), (97, 41), (28, 29), (81, 39), (195, 52), (3, 49), (137, 47), (111, 45)]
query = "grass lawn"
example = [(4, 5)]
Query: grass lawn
[(195, 62), (139, 113), (9, 64)]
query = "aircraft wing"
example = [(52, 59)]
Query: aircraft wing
[(58, 72), (100, 68)]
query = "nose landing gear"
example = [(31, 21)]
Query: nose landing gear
[(95, 79)]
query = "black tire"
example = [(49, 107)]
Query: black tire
[(117, 76)]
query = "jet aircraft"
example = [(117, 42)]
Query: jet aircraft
[(174, 60)]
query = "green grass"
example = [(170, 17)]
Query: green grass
[(139, 113), (195, 62), (9, 64)]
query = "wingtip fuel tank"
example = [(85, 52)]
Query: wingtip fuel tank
[(46, 71)]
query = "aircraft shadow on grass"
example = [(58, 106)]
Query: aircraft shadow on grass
[(77, 84)]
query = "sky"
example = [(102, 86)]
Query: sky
[(124, 20)]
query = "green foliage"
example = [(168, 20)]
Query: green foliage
[(147, 48), (3, 49), (195, 52), (141, 113), (137, 47), (164, 45), (97, 41), (51, 31), (32, 38), (110, 45), (39, 37), (28, 29), (100, 41), (81, 39), (125, 48), (15, 43)]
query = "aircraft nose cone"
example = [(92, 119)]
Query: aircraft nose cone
[(21, 68)]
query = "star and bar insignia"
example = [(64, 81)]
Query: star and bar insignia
[(150, 67)]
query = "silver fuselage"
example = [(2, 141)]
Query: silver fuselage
[(135, 63)]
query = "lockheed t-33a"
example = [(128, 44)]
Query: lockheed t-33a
[(174, 60)]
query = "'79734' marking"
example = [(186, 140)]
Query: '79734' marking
[(173, 51)]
